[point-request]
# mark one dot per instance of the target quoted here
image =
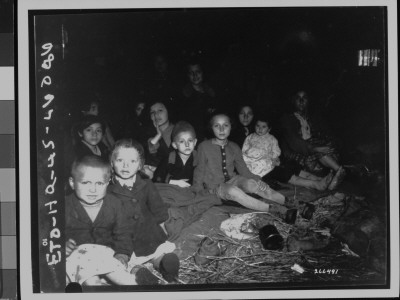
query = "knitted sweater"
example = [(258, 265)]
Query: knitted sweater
[(208, 174)]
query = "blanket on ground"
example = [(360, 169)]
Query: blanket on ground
[(186, 206)]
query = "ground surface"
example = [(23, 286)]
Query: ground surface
[(334, 264)]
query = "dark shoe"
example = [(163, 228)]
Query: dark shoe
[(291, 216), (169, 267), (337, 179), (144, 276)]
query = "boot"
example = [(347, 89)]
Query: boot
[(169, 267)]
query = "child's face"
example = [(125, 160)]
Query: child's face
[(159, 114), (195, 74), (184, 142), (92, 134), (221, 127), (246, 115), (90, 183), (262, 128), (126, 162)]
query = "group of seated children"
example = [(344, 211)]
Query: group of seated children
[(116, 215), (114, 220)]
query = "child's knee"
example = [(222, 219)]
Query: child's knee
[(229, 192), (251, 186)]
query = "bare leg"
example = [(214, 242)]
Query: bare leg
[(307, 175), (252, 186), (95, 280), (329, 162), (308, 183), (121, 277), (230, 192)]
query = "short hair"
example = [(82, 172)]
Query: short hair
[(262, 117), (88, 120), (182, 126), (128, 144), (218, 113), (92, 161)]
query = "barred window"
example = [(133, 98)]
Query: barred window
[(368, 57)]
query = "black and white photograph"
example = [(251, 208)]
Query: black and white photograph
[(208, 150)]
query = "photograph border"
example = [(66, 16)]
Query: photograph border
[(25, 59)]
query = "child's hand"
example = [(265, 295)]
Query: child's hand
[(70, 246), (123, 258), (181, 182), (157, 127)]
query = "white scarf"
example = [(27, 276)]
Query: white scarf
[(305, 128)]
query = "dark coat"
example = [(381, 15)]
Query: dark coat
[(291, 140), (238, 135), (156, 153), (147, 211), (173, 168), (111, 227), (82, 150)]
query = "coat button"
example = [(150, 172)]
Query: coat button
[(136, 217), (134, 200)]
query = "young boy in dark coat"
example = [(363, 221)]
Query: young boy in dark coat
[(178, 167), (97, 231)]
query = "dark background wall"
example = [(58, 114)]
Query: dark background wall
[(259, 55)]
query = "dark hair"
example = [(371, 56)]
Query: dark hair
[(171, 116), (262, 118), (240, 107), (128, 144), (93, 161), (85, 104), (182, 126), (194, 62), (88, 120), (218, 113)]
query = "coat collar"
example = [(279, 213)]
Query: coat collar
[(116, 187)]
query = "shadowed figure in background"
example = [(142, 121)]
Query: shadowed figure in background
[(198, 99), (304, 143)]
